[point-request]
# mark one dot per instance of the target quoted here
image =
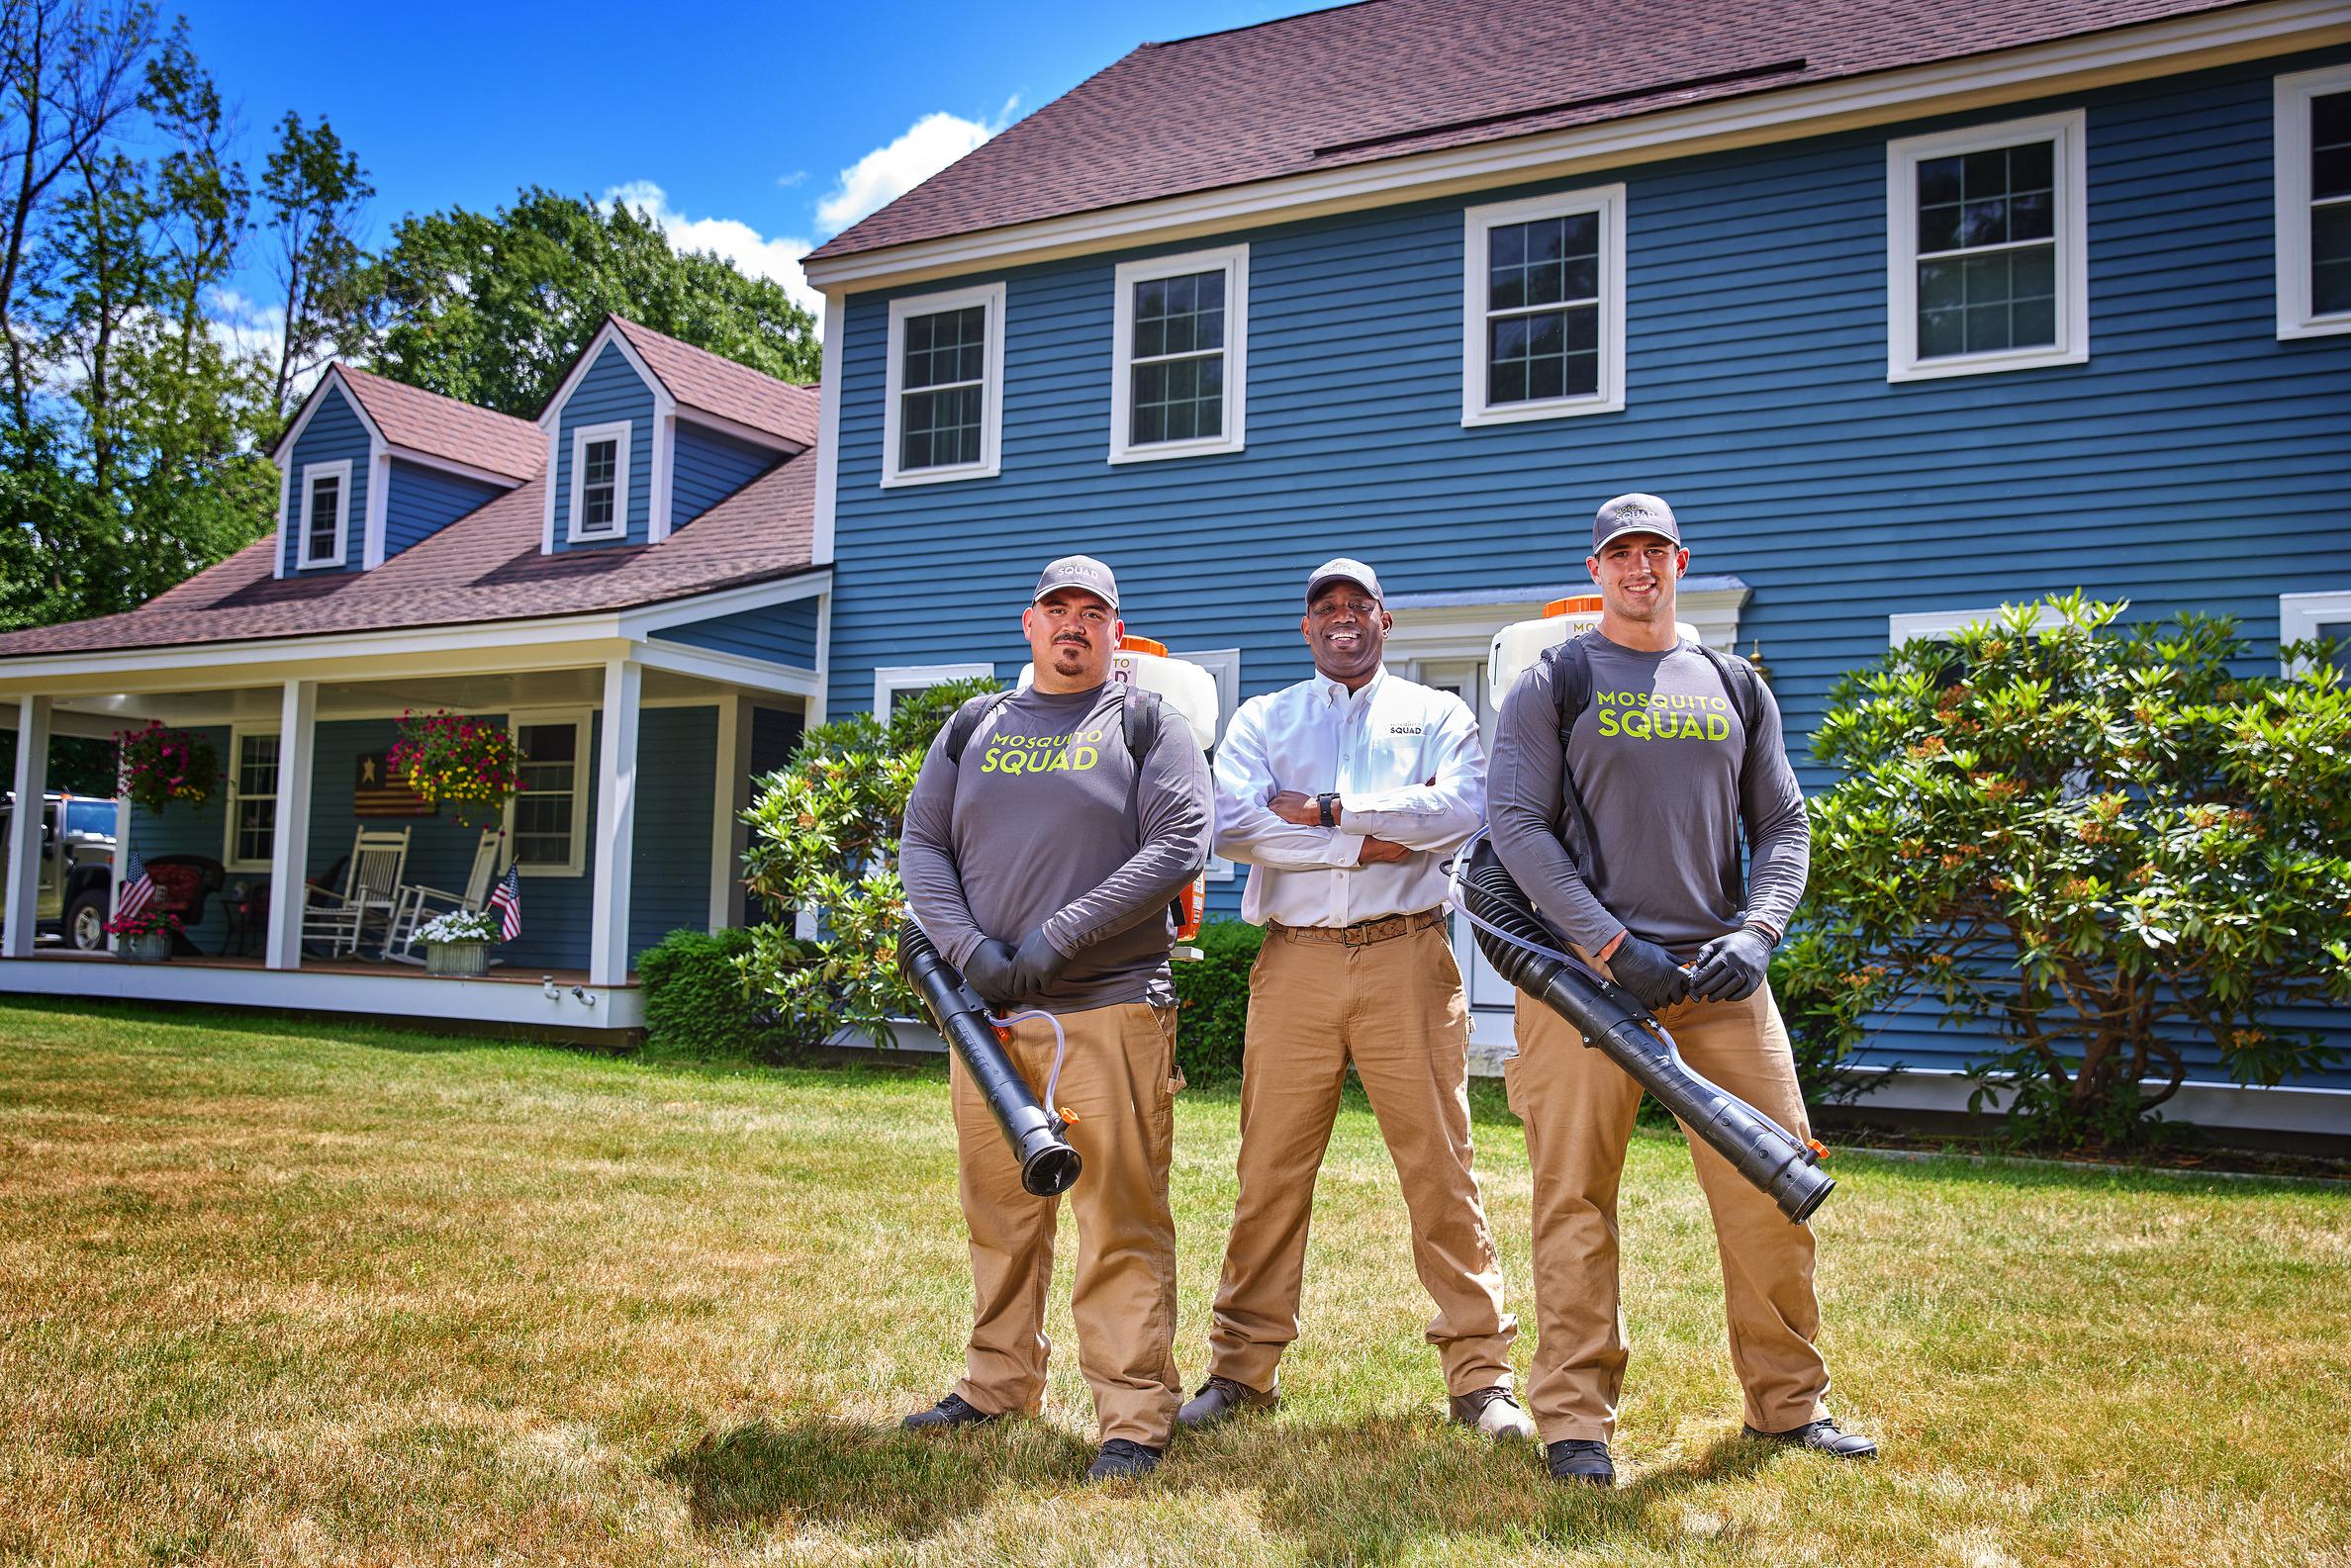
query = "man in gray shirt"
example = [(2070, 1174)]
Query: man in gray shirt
[(1041, 862), (1627, 838)]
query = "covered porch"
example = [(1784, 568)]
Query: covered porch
[(639, 755)]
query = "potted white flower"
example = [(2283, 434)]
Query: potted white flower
[(458, 943)]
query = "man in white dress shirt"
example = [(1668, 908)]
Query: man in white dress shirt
[(1344, 793)]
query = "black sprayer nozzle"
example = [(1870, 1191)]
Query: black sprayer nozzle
[(1048, 1165)]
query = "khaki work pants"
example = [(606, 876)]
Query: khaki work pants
[(1579, 1107), (1117, 1083), (1397, 1011)]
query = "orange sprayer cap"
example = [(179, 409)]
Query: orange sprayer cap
[(1579, 604), (1142, 645)]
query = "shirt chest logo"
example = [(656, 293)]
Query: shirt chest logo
[(1662, 717), (1016, 756), (1407, 729)]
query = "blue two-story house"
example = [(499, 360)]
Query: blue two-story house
[(1910, 311), (626, 583)]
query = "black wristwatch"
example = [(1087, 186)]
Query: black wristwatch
[(1324, 801)]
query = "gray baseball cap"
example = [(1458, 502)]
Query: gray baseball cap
[(1343, 569), (1079, 571), (1634, 514)]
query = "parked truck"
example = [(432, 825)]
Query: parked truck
[(77, 854)]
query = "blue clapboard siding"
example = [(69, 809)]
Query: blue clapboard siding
[(334, 434), (677, 752), (708, 467), (419, 501), (611, 390), (778, 633), (2195, 462)]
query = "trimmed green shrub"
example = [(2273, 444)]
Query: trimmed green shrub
[(699, 1005), (2094, 845), (1212, 1001), (824, 838)]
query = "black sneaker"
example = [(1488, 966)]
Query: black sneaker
[(1580, 1459), (1822, 1436), (953, 1410), (1123, 1460)]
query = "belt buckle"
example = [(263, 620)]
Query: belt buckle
[(1358, 934)]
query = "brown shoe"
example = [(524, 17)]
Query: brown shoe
[(1219, 1400), (1492, 1410)]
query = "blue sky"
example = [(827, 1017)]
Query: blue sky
[(753, 130)]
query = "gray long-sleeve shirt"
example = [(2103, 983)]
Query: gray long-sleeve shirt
[(1659, 757), (1042, 822)]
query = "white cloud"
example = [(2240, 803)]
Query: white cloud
[(730, 238), (795, 177), (245, 326), (889, 172)]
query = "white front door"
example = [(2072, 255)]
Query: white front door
[(1467, 680)]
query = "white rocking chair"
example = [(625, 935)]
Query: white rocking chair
[(418, 905), (370, 892)]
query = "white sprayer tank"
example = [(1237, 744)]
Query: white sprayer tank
[(1518, 646), (1182, 687)]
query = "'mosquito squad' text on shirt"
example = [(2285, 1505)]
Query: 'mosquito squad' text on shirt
[(1042, 822), (1659, 758)]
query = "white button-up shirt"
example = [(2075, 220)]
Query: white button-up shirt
[(1408, 767)]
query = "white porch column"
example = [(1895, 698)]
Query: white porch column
[(289, 844), (616, 823), (24, 828), (729, 835), (122, 862)]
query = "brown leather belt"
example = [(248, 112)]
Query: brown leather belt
[(1365, 932)]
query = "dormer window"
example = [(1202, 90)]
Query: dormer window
[(326, 513), (600, 482)]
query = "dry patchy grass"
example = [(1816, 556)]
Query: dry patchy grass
[(292, 1293)]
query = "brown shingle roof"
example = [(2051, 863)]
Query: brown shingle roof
[(484, 566), (700, 378), (438, 426), (1388, 77)]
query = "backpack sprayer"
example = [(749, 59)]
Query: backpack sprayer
[(1517, 943), (1188, 690), (1037, 1134)]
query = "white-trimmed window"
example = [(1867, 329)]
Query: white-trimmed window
[(1987, 255), (252, 800), (600, 482), (326, 513), (1938, 624), (1543, 308), (892, 682), (943, 414), (2305, 617), (2313, 184), (547, 820), (1178, 361)]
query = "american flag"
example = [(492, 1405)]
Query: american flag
[(139, 889), (506, 899)]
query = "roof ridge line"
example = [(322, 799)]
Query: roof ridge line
[(1252, 27)]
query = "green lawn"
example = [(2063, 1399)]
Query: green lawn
[(302, 1293)]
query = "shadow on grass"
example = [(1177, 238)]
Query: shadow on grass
[(1372, 1491)]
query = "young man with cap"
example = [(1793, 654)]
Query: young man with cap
[(1624, 768), (1344, 793), (1041, 862)]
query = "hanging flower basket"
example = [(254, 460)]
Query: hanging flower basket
[(160, 765), (470, 765)]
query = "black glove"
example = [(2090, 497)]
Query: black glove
[(1037, 965), (1649, 972), (1731, 966), (989, 971)]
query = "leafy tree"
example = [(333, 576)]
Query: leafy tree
[(135, 461), (2104, 843), (317, 195), (824, 838), (492, 308)]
